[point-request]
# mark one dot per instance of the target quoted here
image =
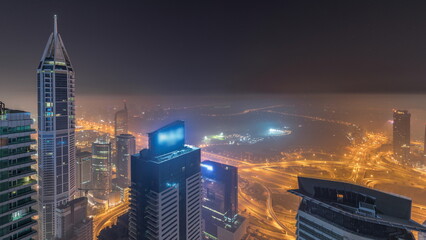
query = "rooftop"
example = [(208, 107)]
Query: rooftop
[(346, 198)]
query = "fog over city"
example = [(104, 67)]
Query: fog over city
[(212, 120)]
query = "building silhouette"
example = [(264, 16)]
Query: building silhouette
[(101, 170), (339, 210), (220, 202), (401, 133), (166, 188), (56, 137), (121, 119), (84, 171), (17, 178), (126, 147), (73, 222)]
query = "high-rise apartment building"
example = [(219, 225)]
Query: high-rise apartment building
[(101, 169), (56, 136), (220, 202), (121, 121), (166, 188), (72, 221), (17, 178), (339, 210), (84, 171), (401, 133), (126, 147)]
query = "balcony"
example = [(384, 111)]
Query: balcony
[(29, 183), (19, 144), (29, 214), (19, 228), (20, 196), (30, 203), (18, 164), (20, 175), (18, 154), (23, 132)]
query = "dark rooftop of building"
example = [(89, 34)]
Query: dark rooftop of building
[(347, 198), (72, 202)]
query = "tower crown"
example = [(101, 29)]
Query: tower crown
[(55, 50)]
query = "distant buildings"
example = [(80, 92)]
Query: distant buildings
[(126, 146), (72, 221), (166, 188), (401, 133), (338, 210), (101, 170), (56, 137), (17, 178), (220, 202), (84, 171), (121, 119), (424, 144)]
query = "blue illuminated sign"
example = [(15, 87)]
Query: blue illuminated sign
[(168, 138)]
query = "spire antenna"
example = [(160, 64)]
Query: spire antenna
[(55, 25)]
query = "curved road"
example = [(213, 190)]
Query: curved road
[(101, 221)]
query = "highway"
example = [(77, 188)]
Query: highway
[(107, 218), (364, 163)]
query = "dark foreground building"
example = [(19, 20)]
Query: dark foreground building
[(220, 202), (17, 177), (338, 210), (72, 222), (166, 188)]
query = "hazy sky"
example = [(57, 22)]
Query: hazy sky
[(212, 46)]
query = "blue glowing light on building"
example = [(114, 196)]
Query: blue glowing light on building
[(208, 167), (170, 137)]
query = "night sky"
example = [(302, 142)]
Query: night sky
[(215, 47)]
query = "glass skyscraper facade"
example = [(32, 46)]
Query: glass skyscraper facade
[(121, 121), (101, 169), (56, 137), (166, 188), (220, 202), (17, 177), (126, 147), (401, 133), (84, 171)]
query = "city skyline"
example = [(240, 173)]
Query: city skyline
[(213, 120)]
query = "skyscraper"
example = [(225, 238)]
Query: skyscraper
[(220, 187), (101, 169), (84, 171), (339, 210), (220, 202), (126, 147), (56, 137), (166, 188), (121, 121), (17, 178), (401, 133), (73, 222)]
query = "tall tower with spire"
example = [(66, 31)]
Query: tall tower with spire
[(56, 136)]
